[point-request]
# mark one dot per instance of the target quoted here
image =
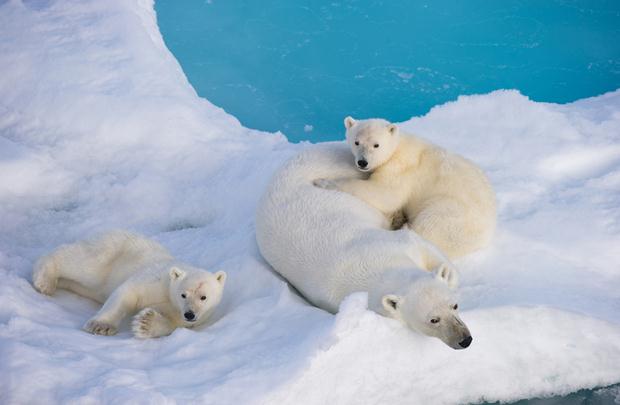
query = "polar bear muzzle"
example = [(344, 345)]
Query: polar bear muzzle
[(459, 336)]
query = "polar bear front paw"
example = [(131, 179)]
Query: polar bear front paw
[(325, 183), (97, 327), (142, 324), (149, 323)]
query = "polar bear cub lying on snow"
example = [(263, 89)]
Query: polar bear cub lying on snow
[(128, 273), (444, 197)]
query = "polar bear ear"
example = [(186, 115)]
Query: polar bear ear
[(448, 274), (391, 303), (220, 276), (349, 122), (393, 129), (176, 273)]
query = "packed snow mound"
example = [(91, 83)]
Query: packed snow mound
[(99, 129), (390, 365)]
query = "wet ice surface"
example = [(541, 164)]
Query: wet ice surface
[(100, 129), (281, 65)]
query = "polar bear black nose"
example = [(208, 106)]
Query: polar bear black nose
[(465, 342), (189, 315), (362, 163)]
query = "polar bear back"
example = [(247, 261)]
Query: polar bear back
[(103, 263), (326, 243)]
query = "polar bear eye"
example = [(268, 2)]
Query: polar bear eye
[(203, 298), (455, 307), (357, 143), (376, 145), (183, 295), (435, 320)]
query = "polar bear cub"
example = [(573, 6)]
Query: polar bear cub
[(444, 197), (128, 273)]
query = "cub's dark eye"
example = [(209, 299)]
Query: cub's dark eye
[(455, 307), (357, 143), (435, 320), (183, 296), (203, 298), (376, 145)]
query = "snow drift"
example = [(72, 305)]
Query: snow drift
[(100, 129)]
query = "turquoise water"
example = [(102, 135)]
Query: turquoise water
[(301, 66)]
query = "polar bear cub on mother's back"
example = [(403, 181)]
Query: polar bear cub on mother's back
[(128, 273), (444, 197)]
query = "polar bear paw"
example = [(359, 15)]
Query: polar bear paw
[(97, 327), (142, 324), (43, 280), (149, 323), (326, 184)]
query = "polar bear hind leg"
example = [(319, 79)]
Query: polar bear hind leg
[(82, 267), (75, 263), (449, 225), (45, 276)]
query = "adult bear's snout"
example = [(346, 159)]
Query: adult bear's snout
[(362, 163), (465, 342), (189, 315)]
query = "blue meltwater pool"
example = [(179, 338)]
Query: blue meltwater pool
[(301, 66)]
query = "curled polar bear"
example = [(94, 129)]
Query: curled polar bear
[(442, 196), (329, 244)]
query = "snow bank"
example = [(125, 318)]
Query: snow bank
[(100, 129)]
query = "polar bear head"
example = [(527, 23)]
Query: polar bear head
[(427, 305), (195, 293), (373, 142)]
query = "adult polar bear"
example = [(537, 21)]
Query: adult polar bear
[(329, 244)]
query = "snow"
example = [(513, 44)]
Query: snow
[(100, 129)]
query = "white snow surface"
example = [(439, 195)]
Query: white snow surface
[(100, 129)]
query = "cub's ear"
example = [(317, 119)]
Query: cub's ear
[(220, 276), (176, 273), (391, 303), (349, 122), (448, 274), (393, 129)]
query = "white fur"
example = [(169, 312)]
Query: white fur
[(329, 244), (128, 273), (425, 304), (446, 198)]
